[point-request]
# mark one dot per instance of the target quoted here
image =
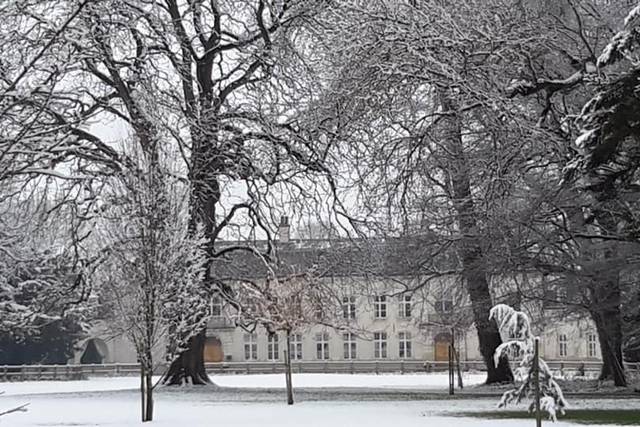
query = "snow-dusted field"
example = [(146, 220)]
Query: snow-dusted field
[(408, 381), (413, 381), (114, 402)]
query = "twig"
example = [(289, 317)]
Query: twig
[(21, 408)]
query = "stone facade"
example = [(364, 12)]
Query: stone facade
[(388, 315)]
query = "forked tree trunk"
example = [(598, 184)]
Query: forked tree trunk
[(474, 272), (188, 368)]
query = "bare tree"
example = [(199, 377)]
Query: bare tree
[(151, 269), (432, 136), (282, 304), (432, 117), (591, 228), (193, 76)]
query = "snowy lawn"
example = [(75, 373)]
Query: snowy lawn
[(583, 416), (410, 381), (121, 409), (394, 381), (114, 402)]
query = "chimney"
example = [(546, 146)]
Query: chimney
[(284, 233)]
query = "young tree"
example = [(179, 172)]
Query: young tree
[(285, 304), (531, 372), (152, 267), (287, 294)]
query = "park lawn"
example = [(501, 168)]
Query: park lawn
[(581, 416)]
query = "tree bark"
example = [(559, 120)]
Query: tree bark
[(205, 194), (605, 291), (188, 368), (608, 320), (474, 272), (287, 361), (148, 415), (146, 392), (143, 395), (488, 335)]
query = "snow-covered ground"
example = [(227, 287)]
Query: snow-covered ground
[(407, 381), (114, 402), (413, 381), (122, 411)]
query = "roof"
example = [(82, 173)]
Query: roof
[(333, 258)]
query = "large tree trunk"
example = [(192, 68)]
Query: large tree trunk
[(488, 334), (474, 272), (610, 336), (608, 320), (606, 294), (205, 194), (188, 368)]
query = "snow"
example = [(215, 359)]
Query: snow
[(276, 381), (631, 21), (110, 402), (622, 42), (206, 407), (77, 386), (408, 381), (582, 140)]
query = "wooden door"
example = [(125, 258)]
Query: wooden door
[(213, 350), (441, 352), (441, 347)]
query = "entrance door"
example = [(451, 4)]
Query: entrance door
[(213, 350), (441, 347)]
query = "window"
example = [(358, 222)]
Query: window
[(250, 347), (322, 346), (592, 345), (349, 346), (216, 306), (405, 306), (380, 345), (404, 345), (349, 307), (444, 302), (272, 347), (380, 306), (295, 347), (562, 345)]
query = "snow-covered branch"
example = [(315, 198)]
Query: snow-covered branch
[(517, 326)]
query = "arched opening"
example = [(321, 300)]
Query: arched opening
[(441, 347), (95, 352), (213, 350)]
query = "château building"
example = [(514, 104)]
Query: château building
[(391, 306)]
